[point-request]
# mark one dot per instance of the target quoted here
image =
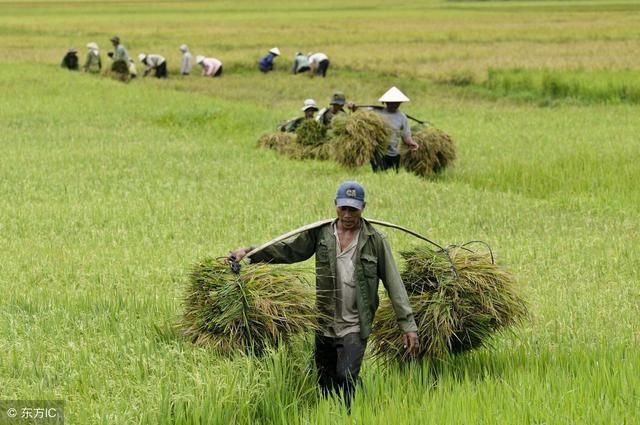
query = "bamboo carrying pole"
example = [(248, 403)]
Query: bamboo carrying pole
[(236, 267), (378, 107)]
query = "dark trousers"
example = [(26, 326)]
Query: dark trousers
[(322, 67), (161, 70), (338, 362), (218, 72), (386, 162)]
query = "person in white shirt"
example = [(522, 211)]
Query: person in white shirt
[(211, 67), (187, 60), (319, 63), (155, 63)]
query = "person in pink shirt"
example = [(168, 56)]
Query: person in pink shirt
[(211, 67)]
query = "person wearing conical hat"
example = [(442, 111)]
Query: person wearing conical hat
[(187, 60), (93, 63), (400, 130), (211, 67), (70, 60), (266, 63)]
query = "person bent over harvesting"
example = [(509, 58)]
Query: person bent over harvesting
[(352, 257)]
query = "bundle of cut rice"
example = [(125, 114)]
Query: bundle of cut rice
[(322, 151), (437, 151), (359, 137), (120, 66), (261, 307), (287, 144), (311, 132), (277, 140), (459, 301)]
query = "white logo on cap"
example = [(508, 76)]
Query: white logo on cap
[(351, 193)]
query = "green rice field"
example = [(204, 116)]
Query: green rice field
[(111, 191)]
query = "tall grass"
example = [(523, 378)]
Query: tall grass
[(579, 85)]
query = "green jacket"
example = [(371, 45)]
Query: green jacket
[(374, 262)]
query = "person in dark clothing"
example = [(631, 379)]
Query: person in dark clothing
[(70, 60), (336, 108), (266, 63)]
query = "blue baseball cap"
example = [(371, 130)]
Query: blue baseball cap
[(350, 194)]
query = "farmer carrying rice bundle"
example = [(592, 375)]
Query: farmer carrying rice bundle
[(336, 107), (445, 300), (400, 130), (352, 256)]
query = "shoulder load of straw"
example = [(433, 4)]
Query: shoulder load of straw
[(286, 144), (311, 132), (359, 137), (459, 300), (437, 151), (261, 307)]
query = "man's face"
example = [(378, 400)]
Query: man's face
[(335, 108), (349, 217), (392, 106)]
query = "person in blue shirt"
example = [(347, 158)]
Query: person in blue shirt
[(266, 63)]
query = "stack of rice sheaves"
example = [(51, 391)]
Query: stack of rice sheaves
[(437, 151), (262, 306), (460, 299), (359, 137), (309, 141)]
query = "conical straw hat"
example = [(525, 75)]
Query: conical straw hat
[(394, 95)]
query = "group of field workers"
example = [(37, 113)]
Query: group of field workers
[(397, 120), (352, 257), (123, 66), (311, 63)]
